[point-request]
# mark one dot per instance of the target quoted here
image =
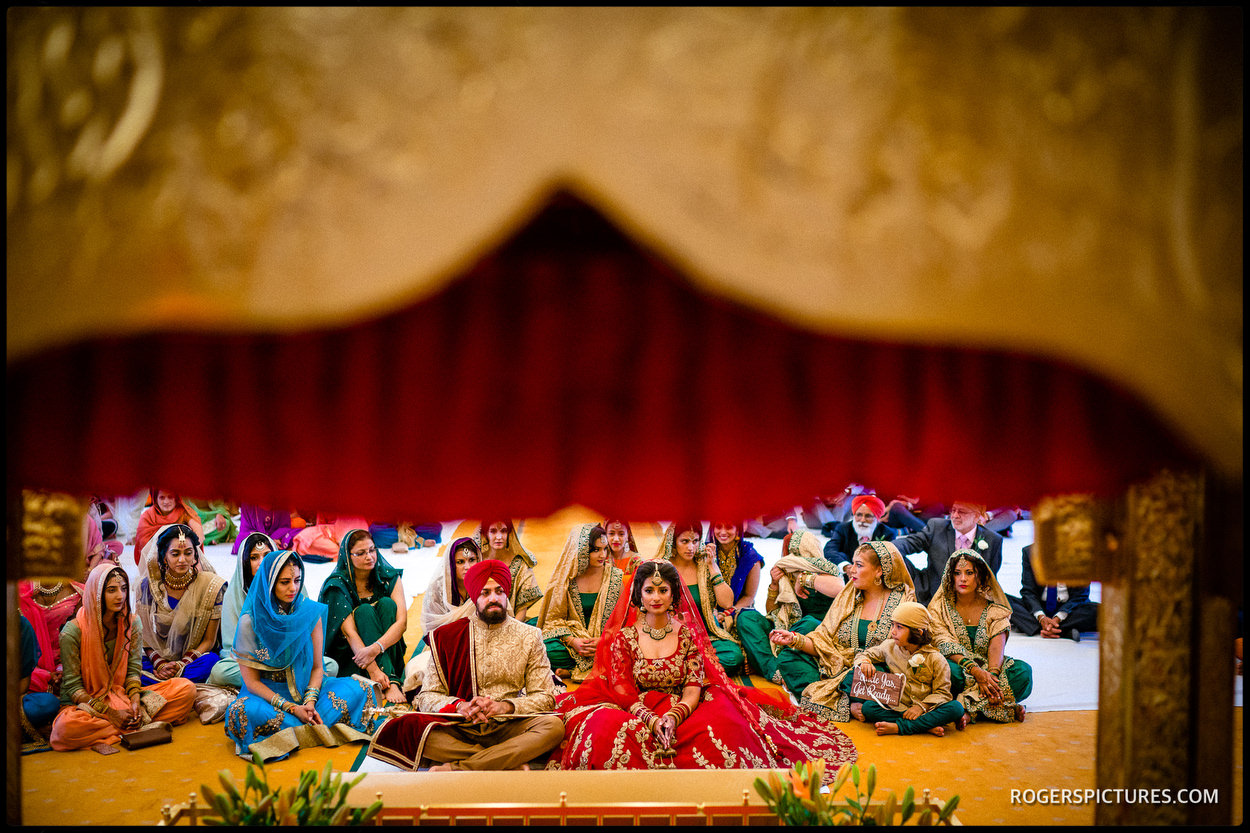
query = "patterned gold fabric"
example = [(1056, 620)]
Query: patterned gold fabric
[(509, 662)]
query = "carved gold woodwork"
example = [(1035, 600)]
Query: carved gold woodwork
[(1076, 171), (46, 536), (1073, 540), (1147, 621)]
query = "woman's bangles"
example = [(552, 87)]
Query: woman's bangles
[(281, 704), (967, 665), (718, 579), (680, 711), (311, 695)]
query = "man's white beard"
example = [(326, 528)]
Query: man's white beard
[(863, 529)]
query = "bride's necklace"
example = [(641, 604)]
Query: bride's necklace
[(179, 583), (48, 591), (658, 634)]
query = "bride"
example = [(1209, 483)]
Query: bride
[(657, 697)]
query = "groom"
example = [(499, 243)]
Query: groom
[(487, 695)]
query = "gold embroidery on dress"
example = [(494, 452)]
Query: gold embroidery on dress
[(270, 726)]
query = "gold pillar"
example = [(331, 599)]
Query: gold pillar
[(45, 540), (1166, 630)]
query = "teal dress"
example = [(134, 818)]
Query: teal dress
[(799, 670), (754, 627), (557, 651), (727, 651)]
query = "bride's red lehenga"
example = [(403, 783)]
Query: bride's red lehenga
[(731, 727)]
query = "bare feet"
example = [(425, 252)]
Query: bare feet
[(937, 730), (394, 695), (962, 722), (441, 768), (1021, 711), (857, 712), (884, 728)]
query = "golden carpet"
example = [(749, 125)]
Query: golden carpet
[(982, 765)]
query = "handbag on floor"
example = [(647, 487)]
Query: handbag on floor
[(156, 732)]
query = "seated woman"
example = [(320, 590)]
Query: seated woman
[(658, 698), (860, 617), (319, 543), (971, 618), (48, 608), (101, 692), (164, 508), (737, 559), (38, 707), (802, 589), (622, 548), (277, 525), (446, 598), (583, 592), (711, 593), (368, 613), (278, 647), (98, 548), (179, 607), (501, 541), (925, 703), (216, 519), (254, 547)]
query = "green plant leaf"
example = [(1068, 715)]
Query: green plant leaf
[(949, 809), (340, 816), (872, 779), (859, 808), (227, 781), (855, 776), (844, 772), (250, 781), (225, 808), (891, 804), (372, 810), (762, 789), (325, 777)]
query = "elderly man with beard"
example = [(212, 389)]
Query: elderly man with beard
[(965, 530), (865, 525), (488, 691)]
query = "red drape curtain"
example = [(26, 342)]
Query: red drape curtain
[(570, 365)]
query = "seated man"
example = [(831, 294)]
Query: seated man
[(1055, 611), (487, 695), (940, 538), (865, 525)]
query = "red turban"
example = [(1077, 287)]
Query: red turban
[(475, 577), (873, 503)]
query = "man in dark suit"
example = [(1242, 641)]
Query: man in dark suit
[(1055, 611), (865, 525), (941, 537)]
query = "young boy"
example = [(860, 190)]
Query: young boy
[(926, 703)]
